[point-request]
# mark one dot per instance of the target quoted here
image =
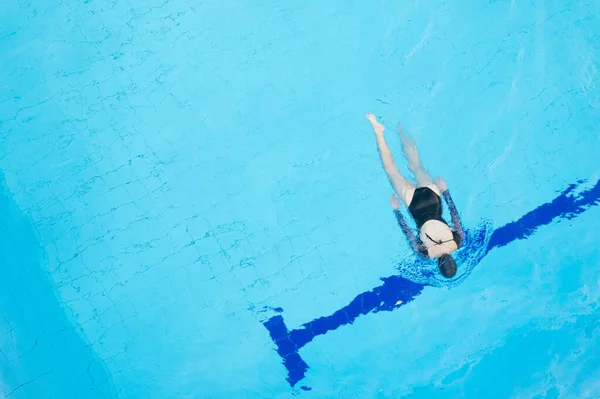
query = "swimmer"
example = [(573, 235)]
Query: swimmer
[(436, 239)]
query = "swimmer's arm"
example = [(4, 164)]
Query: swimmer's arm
[(408, 233), (456, 224)]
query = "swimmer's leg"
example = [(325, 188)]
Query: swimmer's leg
[(409, 147), (403, 187)]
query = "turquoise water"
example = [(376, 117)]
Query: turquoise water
[(192, 204)]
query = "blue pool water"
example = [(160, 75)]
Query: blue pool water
[(192, 204)]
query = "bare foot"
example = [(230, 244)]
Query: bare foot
[(378, 128), (406, 138), (409, 148)]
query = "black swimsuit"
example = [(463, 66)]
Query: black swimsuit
[(425, 205)]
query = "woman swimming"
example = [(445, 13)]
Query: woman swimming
[(436, 239)]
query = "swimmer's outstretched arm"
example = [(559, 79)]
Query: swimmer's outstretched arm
[(456, 224), (410, 237)]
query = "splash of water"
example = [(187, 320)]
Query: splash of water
[(473, 250)]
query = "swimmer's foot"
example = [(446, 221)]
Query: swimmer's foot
[(378, 128), (409, 148), (407, 139)]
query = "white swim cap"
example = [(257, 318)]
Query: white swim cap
[(437, 238)]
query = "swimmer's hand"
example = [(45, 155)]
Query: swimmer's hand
[(395, 202), (441, 183)]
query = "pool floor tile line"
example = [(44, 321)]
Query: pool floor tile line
[(397, 291)]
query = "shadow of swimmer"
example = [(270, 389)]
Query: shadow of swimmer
[(397, 291)]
